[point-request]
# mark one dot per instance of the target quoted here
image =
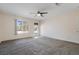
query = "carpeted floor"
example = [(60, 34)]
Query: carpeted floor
[(39, 46)]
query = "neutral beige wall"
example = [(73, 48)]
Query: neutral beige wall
[(7, 27), (1, 28), (63, 27)]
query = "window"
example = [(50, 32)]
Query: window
[(21, 26)]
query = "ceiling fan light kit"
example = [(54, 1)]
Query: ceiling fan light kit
[(38, 15)]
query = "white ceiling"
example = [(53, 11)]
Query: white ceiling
[(25, 9)]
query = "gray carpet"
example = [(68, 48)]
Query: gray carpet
[(39, 46)]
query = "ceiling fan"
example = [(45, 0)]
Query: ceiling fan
[(39, 13)]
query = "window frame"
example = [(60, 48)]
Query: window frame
[(23, 31)]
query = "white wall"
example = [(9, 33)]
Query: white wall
[(7, 27), (63, 26)]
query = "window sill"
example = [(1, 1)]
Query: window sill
[(22, 32)]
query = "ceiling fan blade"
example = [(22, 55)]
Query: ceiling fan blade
[(33, 12), (44, 12)]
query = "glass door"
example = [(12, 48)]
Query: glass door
[(36, 30)]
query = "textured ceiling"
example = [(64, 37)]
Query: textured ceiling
[(25, 9)]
